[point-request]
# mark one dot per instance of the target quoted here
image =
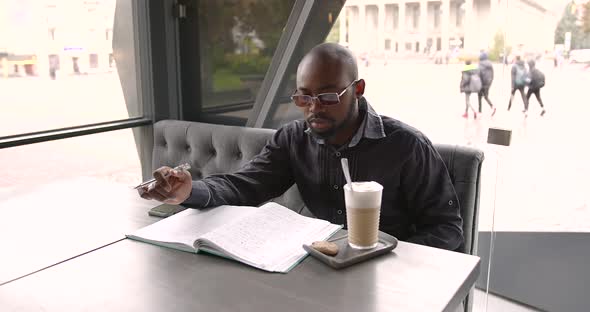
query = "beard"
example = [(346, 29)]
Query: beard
[(330, 132)]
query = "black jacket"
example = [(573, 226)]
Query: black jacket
[(419, 202), (486, 72), (537, 78)]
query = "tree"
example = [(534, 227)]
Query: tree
[(334, 35), (569, 23), (586, 18), (267, 19), (499, 47)]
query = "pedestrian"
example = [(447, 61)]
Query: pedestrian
[(537, 82), (470, 83), (53, 66), (486, 73), (519, 81)]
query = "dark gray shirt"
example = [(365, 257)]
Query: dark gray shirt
[(419, 202)]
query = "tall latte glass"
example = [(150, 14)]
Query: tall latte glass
[(363, 206)]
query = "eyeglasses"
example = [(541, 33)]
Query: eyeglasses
[(325, 99)]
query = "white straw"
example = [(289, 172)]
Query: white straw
[(346, 171)]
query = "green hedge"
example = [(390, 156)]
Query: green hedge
[(246, 64)]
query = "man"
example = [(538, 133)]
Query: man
[(419, 202), (537, 82), (519, 79), (486, 72), (470, 83)]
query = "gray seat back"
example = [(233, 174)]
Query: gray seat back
[(464, 166), (212, 149)]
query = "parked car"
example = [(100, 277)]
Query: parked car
[(580, 56)]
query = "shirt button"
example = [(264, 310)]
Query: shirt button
[(450, 202), (335, 187), (338, 154), (339, 212)]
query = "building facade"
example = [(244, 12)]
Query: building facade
[(68, 37), (422, 26)]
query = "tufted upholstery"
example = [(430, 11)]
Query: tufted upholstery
[(211, 148)]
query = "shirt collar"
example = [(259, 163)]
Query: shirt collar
[(370, 128)]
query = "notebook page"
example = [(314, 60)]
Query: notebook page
[(267, 237), (188, 225)]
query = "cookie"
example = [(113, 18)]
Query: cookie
[(327, 248)]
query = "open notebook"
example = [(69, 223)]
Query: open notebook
[(269, 237)]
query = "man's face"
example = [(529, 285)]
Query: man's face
[(315, 77)]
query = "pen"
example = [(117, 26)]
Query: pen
[(179, 167)]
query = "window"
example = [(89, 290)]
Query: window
[(110, 156), (238, 40), (531, 199), (69, 86), (408, 46), (64, 80)]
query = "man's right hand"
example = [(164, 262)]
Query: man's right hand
[(171, 186)]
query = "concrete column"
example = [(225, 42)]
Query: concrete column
[(401, 30), (381, 26), (490, 25), (445, 22), (494, 13), (4, 62), (361, 29), (469, 28), (342, 20), (423, 25)]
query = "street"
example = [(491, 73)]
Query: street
[(543, 180)]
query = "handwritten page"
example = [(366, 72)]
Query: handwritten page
[(188, 225), (269, 236)]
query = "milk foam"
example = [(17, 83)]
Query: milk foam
[(370, 186), (365, 195)]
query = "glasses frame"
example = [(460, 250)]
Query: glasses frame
[(317, 97)]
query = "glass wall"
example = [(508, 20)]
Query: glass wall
[(57, 66), (412, 55), (54, 196), (110, 156), (321, 20), (237, 42), (58, 69)]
